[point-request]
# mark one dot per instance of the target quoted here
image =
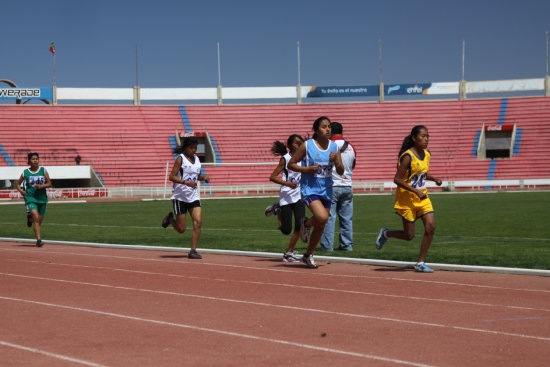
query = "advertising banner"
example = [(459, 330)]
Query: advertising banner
[(61, 193), (389, 90), (406, 89), (26, 93), (443, 88), (505, 127), (505, 85), (344, 91)]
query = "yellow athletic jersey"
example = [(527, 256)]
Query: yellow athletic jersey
[(415, 176)]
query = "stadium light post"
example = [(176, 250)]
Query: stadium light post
[(462, 85), (54, 88), (381, 85), (136, 87), (219, 88), (547, 77), (299, 86)]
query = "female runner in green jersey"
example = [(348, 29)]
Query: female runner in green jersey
[(36, 180)]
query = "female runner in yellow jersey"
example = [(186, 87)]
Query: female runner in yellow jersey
[(411, 199)]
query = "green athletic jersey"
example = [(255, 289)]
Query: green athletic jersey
[(33, 194)]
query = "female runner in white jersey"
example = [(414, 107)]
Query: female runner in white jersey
[(289, 195), (185, 175), (318, 156)]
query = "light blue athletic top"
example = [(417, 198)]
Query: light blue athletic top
[(319, 183)]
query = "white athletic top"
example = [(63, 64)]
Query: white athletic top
[(348, 157), (188, 172), (288, 195)]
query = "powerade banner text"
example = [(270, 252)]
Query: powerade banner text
[(26, 93)]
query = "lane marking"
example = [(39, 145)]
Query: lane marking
[(515, 319), (146, 227), (299, 286), (295, 308), (205, 262), (221, 332), (49, 354)]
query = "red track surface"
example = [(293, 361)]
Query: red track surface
[(67, 306)]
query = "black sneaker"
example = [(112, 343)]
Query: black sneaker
[(166, 220), (381, 239), (29, 220), (272, 209), (39, 243), (193, 254)]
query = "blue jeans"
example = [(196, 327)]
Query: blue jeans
[(342, 205)]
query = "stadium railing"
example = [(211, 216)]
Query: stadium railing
[(272, 190)]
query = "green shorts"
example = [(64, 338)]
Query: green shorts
[(41, 207)]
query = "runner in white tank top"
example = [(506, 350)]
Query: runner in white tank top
[(185, 175), (289, 195)]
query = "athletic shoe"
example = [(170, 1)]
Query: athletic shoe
[(193, 254), (29, 220), (309, 261), (381, 240), (272, 209), (39, 243), (304, 230), (292, 257), (166, 220), (423, 268)]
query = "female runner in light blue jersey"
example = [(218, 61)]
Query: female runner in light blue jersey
[(318, 156)]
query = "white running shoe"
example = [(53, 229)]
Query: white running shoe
[(423, 268), (292, 257), (309, 261)]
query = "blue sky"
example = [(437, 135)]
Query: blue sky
[(177, 41)]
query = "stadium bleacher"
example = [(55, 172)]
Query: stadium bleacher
[(130, 145), (127, 146)]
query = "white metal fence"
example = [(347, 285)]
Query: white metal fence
[(271, 189)]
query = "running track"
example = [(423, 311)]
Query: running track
[(82, 306)]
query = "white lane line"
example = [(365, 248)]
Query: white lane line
[(222, 332), (53, 355), (514, 319), (332, 275), (236, 229), (295, 286), (294, 308)]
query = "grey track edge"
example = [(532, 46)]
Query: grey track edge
[(372, 262)]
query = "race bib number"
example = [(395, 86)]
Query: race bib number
[(419, 181), (36, 180), (324, 170)]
